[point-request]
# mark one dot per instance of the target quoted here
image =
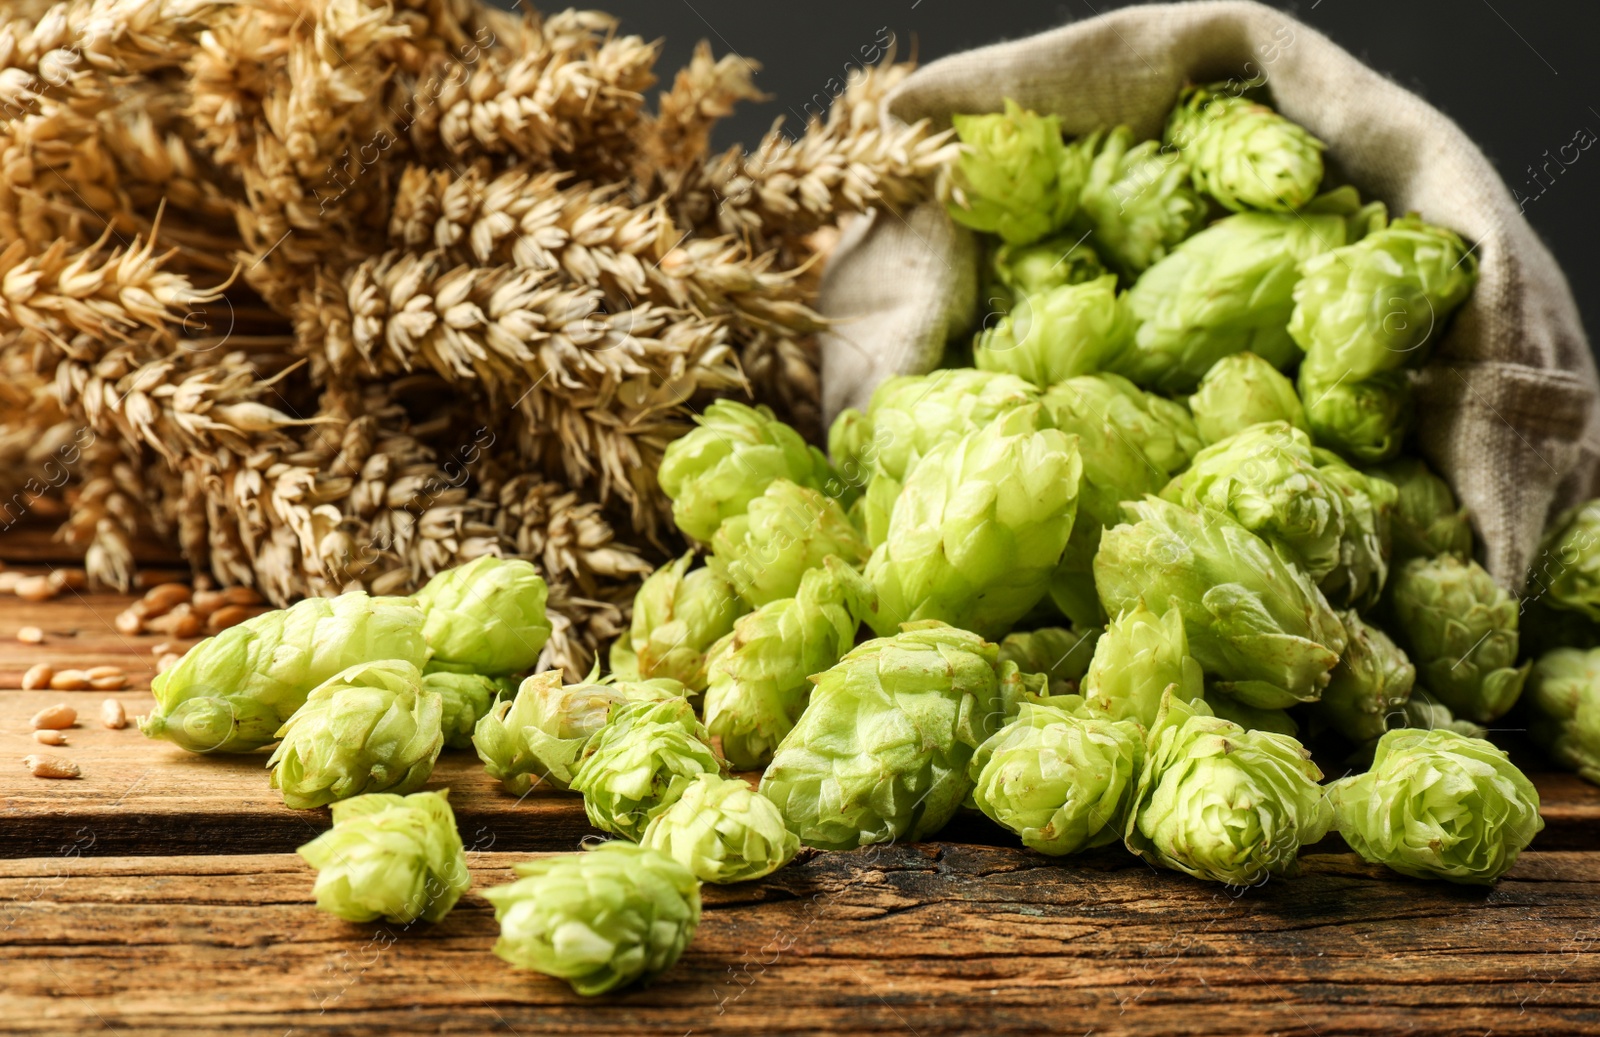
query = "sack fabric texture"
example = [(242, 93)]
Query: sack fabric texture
[(1508, 409)]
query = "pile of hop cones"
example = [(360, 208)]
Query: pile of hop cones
[(334, 294)]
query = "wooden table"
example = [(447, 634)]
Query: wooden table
[(160, 893)]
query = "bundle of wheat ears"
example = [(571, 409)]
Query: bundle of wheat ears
[(337, 293)]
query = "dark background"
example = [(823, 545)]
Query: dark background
[(1521, 76)]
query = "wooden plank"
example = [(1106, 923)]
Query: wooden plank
[(927, 939)]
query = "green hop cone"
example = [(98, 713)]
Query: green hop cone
[(1061, 782), (398, 858), (1438, 805), (1043, 265), (231, 693), (714, 471), (1254, 620), (1016, 177), (600, 919), (1059, 333), (1460, 629), (881, 752), (723, 831), (788, 531), (370, 728), (640, 762), (978, 528), (488, 615), (761, 673), (1566, 575), (1060, 655), (1425, 521), (1365, 421), (465, 698), (677, 616), (1251, 718), (1137, 202), (1136, 660), (1367, 693), (1423, 712), (1564, 708), (1222, 803), (1242, 153), (1240, 391), (1363, 569), (539, 735)]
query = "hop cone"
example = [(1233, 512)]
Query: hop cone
[(1137, 202), (540, 734), (1043, 265), (881, 752), (1437, 804), (1240, 391), (1015, 177), (370, 728), (1564, 708), (398, 858), (1059, 333), (722, 830), (1063, 783), (761, 673), (1368, 690), (1244, 154), (487, 615), (787, 531), (1060, 655), (978, 528), (1251, 718), (1222, 803), (1422, 712), (640, 762), (231, 693), (714, 471), (1136, 660), (1364, 421), (600, 919), (1363, 567), (1460, 629), (1253, 619), (465, 698), (1425, 521), (1567, 574), (677, 617)]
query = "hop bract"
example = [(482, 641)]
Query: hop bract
[(488, 615), (1137, 202), (1222, 803), (1460, 629), (677, 616), (640, 762), (714, 471), (464, 698), (1015, 177), (881, 752), (1240, 391), (1437, 804), (1425, 521), (1061, 782), (1058, 333), (1369, 688), (369, 728), (1564, 703), (788, 531), (393, 857), (1567, 573), (231, 693), (1138, 658), (722, 830), (600, 919), (1244, 154)]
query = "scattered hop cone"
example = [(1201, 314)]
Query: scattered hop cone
[(540, 734), (640, 762), (1364, 421), (1564, 708), (881, 753), (1363, 567), (723, 831), (1043, 265), (1437, 804), (1460, 629), (1015, 176), (370, 728), (1222, 803), (1057, 334), (1240, 391), (787, 531), (600, 919), (1423, 712), (1244, 154), (1567, 574), (1060, 655), (488, 615), (1254, 620), (1061, 782), (1368, 690), (1137, 202), (465, 698), (1136, 660), (677, 616), (398, 858), (1425, 521), (978, 528), (231, 693), (713, 472), (761, 673)]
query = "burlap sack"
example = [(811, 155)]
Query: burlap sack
[(1508, 408)]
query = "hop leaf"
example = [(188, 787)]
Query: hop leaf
[(1136, 660), (1568, 570), (1137, 201), (488, 615), (1240, 391), (677, 616), (465, 698), (722, 830), (1564, 701), (1015, 177), (1244, 154), (231, 693), (1425, 521), (1058, 333), (1437, 804), (1368, 690), (1460, 629), (393, 857), (369, 728), (786, 532), (600, 919), (640, 762)]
